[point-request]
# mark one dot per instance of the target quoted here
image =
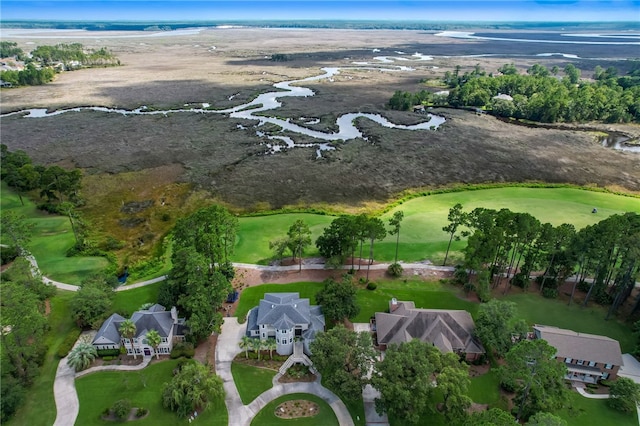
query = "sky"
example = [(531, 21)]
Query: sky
[(424, 10)]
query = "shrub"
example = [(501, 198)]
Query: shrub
[(372, 286), (108, 358), (395, 270), (182, 350), (108, 352), (141, 412), (67, 344), (550, 293), (121, 409), (520, 280), (8, 254)]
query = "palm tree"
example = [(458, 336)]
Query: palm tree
[(154, 339), (82, 356), (245, 345), (128, 330), (256, 345), (271, 345)]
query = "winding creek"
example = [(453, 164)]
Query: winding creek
[(267, 102)]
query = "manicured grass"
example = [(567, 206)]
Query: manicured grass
[(250, 297), (421, 235), (485, 389), (143, 388), (538, 310), (251, 381), (425, 294), (127, 302), (254, 234), (39, 407), (581, 411), (52, 237), (325, 416)]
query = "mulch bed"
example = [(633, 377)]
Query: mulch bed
[(296, 408)]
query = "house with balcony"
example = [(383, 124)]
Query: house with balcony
[(287, 318), (448, 330), (170, 328), (588, 357)]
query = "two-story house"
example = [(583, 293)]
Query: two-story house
[(285, 317), (588, 357)]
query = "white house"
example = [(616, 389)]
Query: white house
[(166, 323), (285, 317)]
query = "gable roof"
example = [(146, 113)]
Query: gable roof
[(449, 330), (108, 332), (156, 319), (588, 347)]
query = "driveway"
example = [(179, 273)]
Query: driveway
[(369, 394), (227, 348)]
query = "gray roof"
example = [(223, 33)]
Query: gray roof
[(449, 330), (588, 347), (159, 320), (283, 309), (154, 318), (108, 332)]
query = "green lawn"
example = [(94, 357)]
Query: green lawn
[(127, 302), (251, 381), (425, 294), (143, 388), (421, 235), (52, 237), (485, 389), (581, 411), (325, 416), (538, 310), (254, 234), (39, 407)]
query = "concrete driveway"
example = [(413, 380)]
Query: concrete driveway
[(227, 347)]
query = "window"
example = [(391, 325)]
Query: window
[(290, 340), (580, 362), (264, 335), (278, 340), (568, 360), (608, 366), (605, 376), (592, 363)]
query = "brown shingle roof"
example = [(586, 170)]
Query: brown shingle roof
[(449, 330), (588, 347)]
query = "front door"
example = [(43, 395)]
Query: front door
[(147, 351)]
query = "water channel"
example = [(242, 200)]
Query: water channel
[(267, 102)]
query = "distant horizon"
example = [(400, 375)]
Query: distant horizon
[(431, 11)]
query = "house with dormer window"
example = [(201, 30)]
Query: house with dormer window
[(285, 317), (170, 328)]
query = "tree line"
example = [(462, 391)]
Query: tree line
[(604, 257), (40, 65), (57, 188), (540, 95)]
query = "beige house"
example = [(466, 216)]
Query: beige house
[(588, 357), (449, 330)]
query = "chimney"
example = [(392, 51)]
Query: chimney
[(174, 315), (393, 305)]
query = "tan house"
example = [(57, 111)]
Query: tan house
[(448, 330), (588, 357)]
